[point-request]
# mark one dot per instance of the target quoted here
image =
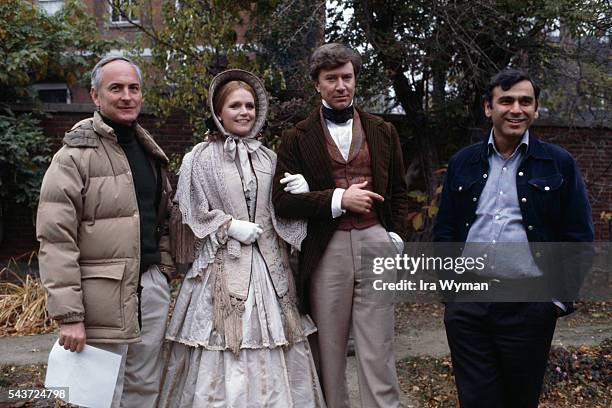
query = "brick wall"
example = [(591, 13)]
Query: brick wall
[(175, 136), (592, 149)]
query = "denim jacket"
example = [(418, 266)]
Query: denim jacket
[(551, 193)]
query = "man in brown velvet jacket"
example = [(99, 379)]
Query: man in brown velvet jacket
[(352, 164)]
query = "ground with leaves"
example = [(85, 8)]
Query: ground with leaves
[(577, 376)]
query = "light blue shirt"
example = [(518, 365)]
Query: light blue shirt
[(499, 219)]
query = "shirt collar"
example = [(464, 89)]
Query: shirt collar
[(327, 104), (524, 143)]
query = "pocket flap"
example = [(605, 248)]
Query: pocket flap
[(548, 183), (105, 270), (459, 184)]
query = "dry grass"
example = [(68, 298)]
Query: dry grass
[(23, 301)]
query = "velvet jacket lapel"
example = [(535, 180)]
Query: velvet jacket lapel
[(378, 143), (315, 152)]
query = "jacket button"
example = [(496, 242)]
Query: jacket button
[(523, 200), (467, 224), (521, 173), (530, 228), (538, 254), (485, 175), (546, 188), (474, 199), (460, 188)]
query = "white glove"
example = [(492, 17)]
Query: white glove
[(397, 240), (244, 231), (296, 183)]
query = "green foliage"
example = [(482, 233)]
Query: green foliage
[(423, 218), (287, 32), (194, 42), (198, 39), (24, 157), (36, 47), (438, 55)]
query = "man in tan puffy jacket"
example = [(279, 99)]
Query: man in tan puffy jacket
[(102, 222)]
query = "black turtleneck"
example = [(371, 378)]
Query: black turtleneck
[(146, 186)]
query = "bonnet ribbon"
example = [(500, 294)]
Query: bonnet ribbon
[(243, 146)]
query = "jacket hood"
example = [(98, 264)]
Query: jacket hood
[(261, 102)]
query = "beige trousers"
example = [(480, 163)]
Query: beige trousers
[(141, 364), (339, 299)]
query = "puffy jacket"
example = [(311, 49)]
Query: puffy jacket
[(88, 226)]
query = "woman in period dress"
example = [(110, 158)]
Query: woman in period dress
[(236, 336)]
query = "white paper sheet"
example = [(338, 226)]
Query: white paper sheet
[(90, 375)]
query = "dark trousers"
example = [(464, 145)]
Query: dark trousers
[(499, 351)]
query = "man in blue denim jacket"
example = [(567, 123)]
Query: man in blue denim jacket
[(509, 188)]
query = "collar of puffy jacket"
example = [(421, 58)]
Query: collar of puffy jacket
[(82, 135)]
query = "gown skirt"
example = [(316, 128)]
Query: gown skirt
[(267, 372)]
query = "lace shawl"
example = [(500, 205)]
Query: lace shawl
[(204, 204)]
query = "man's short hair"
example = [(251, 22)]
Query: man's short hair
[(333, 55), (96, 73), (506, 80)]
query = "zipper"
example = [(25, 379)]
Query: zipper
[(135, 198)]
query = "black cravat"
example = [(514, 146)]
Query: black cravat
[(338, 116)]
